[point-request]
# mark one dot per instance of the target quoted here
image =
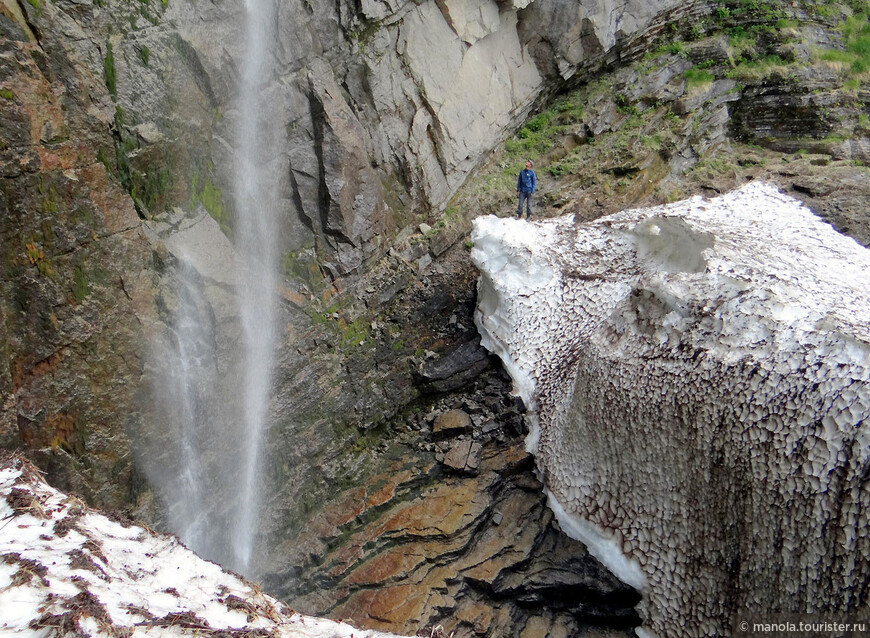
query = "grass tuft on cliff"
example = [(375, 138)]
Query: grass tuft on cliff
[(644, 144), (109, 72)]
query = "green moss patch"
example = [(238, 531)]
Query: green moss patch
[(205, 192), (109, 72)]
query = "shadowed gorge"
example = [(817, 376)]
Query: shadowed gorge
[(391, 484)]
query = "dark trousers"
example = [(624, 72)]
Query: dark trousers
[(527, 197)]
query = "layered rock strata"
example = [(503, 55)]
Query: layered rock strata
[(452, 529), (700, 383)]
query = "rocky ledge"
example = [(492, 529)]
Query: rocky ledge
[(454, 532)]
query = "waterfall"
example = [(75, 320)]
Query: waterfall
[(256, 202), (187, 379), (211, 364)]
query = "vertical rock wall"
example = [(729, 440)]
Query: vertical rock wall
[(385, 107), (74, 274), (701, 377)]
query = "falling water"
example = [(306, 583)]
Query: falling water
[(204, 450), (256, 233), (187, 382)]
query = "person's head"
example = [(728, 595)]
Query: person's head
[(529, 164)]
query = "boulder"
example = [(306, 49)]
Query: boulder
[(455, 368), (450, 424), (463, 457)]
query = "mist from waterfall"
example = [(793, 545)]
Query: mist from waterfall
[(187, 379), (212, 361), (256, 200)]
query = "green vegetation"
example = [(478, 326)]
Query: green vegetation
[(363, 35), (857, 32), (698, 78), (37, 258), (302, 265), (356, 333), (124, 144), (856, 38), (760, 14), (653, 142), (539, 136), (741, 44), (712, 167), (144, 54), (836, 56), (80, 286), (203, 191), (7, 94), (759, 69), (49, 198), (109, 72), (147, 183), (103, 159), (147, 188)]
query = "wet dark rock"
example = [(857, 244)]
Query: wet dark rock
[(455, 368), (396, 285)]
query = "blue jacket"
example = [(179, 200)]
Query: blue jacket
[(527, 182)]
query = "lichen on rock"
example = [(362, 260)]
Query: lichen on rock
[(699, 375)]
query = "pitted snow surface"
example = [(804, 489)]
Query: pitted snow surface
[(698, 376), (66, 569)]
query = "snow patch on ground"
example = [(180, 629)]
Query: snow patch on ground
[(66, 568)]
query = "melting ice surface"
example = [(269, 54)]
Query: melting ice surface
[(698, 378)]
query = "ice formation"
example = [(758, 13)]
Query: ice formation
[(698, 379), (66, 569)]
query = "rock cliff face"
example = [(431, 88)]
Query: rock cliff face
[(449, 527), (701, 393), (76, 274), (103, 98), (383, 107), (117, 123)]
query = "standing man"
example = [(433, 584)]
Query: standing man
[(527, 182)]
